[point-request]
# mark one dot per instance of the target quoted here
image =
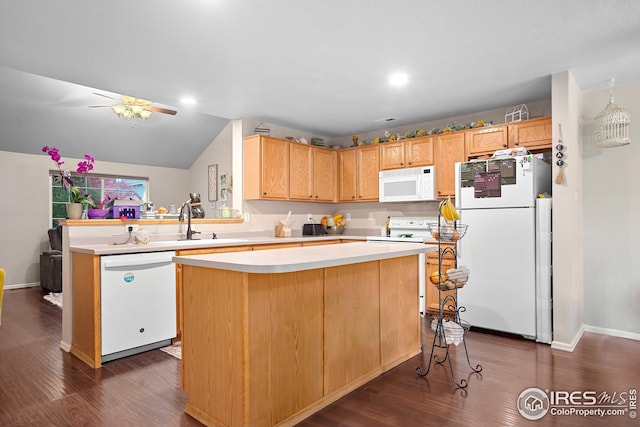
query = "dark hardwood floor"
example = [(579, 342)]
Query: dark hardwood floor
[(41, 385)]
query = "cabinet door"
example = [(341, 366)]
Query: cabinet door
[(347, 172), (449, 150), (325, 175), (300, 171), (487, 140), (274, 170), (419, 151), (392, 155), (532, 134), (368, 168), (432, 303)]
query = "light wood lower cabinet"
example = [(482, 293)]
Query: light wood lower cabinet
[(271, 349), (432, 303), (85, 299)]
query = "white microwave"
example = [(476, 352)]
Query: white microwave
[(407, 185)]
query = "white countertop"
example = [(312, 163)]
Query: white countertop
[(171, 245), (286, 260)]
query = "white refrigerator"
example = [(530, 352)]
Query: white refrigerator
[(507, 246)]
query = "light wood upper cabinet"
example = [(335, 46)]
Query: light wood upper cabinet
[(487, 140), (392, 155), (325, 175), (533, 134), (300, 172), (419, 151), (406, 153), (347, 175), (449, 149), (266, 168), (358, 174)]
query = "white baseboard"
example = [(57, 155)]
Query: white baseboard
[(569, 346), (612, 332), (22, 285)]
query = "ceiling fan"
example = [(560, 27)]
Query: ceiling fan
[(131, 108)]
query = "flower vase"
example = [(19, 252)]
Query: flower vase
[(74, 210)]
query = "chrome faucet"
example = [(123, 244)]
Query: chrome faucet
[(190, 232)]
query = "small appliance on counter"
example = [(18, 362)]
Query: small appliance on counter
[(313, 229)]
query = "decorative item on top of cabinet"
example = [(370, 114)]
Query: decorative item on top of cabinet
[(266, 168), (358, 174), (534, 134), (407, 153)]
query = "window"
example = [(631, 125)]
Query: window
[(100, 187)]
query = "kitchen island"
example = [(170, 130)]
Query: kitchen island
[(270, 337)]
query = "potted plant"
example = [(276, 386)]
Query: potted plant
[(76, 197)]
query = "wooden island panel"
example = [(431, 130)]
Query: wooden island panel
[(352, 319), (400, 327), (270, 349)]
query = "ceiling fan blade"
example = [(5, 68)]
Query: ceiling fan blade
[(161, 110), (106, 96), (98, 106)]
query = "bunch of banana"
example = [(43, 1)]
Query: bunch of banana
[(337, 221), (449, 211)]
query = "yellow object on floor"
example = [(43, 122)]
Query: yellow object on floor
[(1, 291)]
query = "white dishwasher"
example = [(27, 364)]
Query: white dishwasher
[(138, 303)]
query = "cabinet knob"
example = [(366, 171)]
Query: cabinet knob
[(264, 193), (504, 145), (311, 196), (516, 143), (353, 197), (410, 163), (316, 196), (401, 164)]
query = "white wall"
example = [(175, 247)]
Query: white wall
[(611, 206), (567, 216), (26, 202)]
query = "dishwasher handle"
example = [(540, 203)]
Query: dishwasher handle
[(160, 258)]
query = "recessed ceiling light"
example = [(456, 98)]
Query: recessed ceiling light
[(188, 101), (398, 79)]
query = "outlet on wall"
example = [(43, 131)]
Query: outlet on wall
[(309, 217), (246, 217), (347, 216), (131, 228), (370, 216)]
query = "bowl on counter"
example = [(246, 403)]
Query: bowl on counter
[(334, 229), (97, 213)]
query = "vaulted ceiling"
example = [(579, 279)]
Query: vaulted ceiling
[(320, 67)]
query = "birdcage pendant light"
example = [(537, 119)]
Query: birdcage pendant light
[(612, 124)]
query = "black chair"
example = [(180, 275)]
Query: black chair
[(51, 262)]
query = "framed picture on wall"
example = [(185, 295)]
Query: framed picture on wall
[(223, 179), (213, 183), (223, 194)]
